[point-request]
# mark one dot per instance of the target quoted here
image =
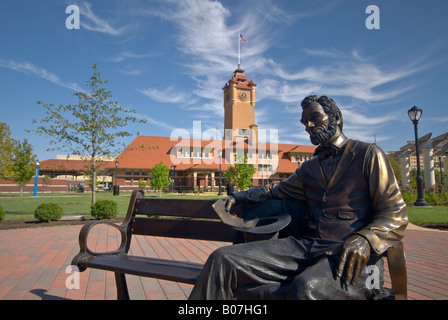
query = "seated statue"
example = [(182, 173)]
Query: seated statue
[(346, 208)]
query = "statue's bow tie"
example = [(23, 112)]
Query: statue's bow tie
[(324, 152)]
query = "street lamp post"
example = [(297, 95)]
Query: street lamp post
[(173, 182), (116, 188), (442, 169), (220, 173), (414, 114)]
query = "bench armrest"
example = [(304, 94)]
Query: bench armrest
[(85, 252), (397, 268)]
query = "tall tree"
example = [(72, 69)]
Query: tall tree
[(396, 167), (23, 164), (6, 151), (91, 127)]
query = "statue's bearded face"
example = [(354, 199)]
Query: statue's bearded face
[(317, 123)]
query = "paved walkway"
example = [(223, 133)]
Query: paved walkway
[(34, 264)]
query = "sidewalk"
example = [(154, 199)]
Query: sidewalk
[(34, 264)]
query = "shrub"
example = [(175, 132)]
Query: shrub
[(436, 196), (104, 209), (2, 213), (48, 212), (409, 195), (432, 196)]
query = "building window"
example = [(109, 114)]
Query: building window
[(185, 153), (265, 168), (301, 157), (264, 155), (196, 153), (127, 178)]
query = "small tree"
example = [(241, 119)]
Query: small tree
[(46, 181), (142, 184), (91, 127), (23, 164), (396, 168), (240, 173), (160, 176), (6, 151)]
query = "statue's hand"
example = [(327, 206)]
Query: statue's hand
[(354, 257), (230, 202)]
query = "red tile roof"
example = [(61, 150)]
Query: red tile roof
[(146, 151), (67, 166)]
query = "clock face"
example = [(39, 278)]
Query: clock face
[(242, 96)]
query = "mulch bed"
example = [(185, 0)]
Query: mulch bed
[(19, 224), (439, 226)]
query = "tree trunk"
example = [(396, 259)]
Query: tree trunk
[(94, 180)]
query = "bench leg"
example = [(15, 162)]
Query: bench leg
[(122, 287)]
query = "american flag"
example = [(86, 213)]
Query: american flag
[(243, 38)]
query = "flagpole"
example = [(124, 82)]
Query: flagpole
[(239, 50)]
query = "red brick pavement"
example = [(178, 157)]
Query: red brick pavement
[(34, 264)]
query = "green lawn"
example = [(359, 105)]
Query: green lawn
[(73, 203), (436, 214), (79, 204)]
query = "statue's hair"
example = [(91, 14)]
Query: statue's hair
[(329, 106)]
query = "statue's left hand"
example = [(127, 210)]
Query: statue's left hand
[(354, 257)]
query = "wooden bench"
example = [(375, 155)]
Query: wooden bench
[(187, 189), (180, 218), (176, 218)]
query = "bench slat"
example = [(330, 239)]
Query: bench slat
[(179, 207), (178, 271), (183, 228)]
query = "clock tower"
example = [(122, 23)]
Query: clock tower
[(239, 106)]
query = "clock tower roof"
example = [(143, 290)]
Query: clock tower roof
[(238, 70), (240, 80)]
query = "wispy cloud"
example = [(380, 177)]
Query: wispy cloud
[(355, 117), (130, 71), (207, 35), (295, 10), (124, 55), (92, 22), (438, 120), (156, 122), (328, 53), (275, 14), (168, 95), (29, 68), (359, 80)]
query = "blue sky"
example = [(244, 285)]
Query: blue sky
[(169, 60)]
